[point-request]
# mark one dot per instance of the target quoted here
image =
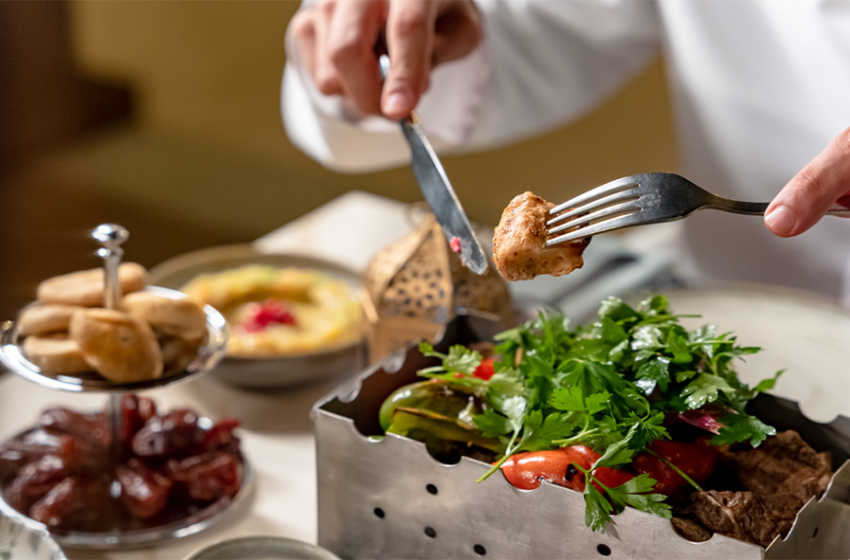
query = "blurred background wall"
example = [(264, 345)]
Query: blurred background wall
[(164, 117)]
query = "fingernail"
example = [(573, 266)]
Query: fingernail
[(781, 220), (396, 104)]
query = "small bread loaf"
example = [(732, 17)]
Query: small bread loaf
[(85, 288), (175, 317), (55, 354), (179, 352), (44, 319), (121, 348)]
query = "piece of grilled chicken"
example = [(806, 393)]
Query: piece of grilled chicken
[(519, 242)]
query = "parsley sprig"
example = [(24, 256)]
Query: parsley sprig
[(556, 386)]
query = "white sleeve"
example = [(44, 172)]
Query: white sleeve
[(541, 64)]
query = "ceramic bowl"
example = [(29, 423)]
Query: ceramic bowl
[(22, 543), (267, 372), (262, 548)]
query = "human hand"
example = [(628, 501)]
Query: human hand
[(806, 197), (338, 41)]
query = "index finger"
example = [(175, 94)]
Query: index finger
[(353, 33), (410, 42)]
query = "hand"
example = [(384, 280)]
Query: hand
[(337, 41), (805, 199)]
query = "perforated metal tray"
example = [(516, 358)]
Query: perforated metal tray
[(387, 498)]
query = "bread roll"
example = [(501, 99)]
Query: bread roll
[(55, 354), (121, 348), (175, 317), (85, 288), (43, 319)]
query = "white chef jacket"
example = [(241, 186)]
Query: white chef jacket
[(760, 87)]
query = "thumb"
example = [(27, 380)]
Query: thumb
[(807, 196)]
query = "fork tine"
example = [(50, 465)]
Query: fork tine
[(607, 188), (597, 228), (626, 208), (626, 195)]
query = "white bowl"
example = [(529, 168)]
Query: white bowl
[(18, 542)]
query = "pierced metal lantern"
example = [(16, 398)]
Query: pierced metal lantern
[(417, 285)]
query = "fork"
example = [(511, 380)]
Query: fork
[(648, 198)]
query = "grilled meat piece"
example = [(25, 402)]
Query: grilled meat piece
[(690, 529), (779, 477), (519, 250), (784, 464)]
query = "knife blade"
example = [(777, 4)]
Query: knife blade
[(438, 192)]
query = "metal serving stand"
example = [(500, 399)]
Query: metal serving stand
[(388, 498), (111, 236)]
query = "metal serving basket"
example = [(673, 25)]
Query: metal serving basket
[(388, 498)]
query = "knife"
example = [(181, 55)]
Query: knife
[(439, 193)]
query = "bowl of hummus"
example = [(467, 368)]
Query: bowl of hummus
[(294, 319)]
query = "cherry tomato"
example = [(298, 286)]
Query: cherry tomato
[(694, 459), (485, 369), (526, 470)]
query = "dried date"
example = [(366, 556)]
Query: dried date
[(207, 477), (177, 434), (143, 492)]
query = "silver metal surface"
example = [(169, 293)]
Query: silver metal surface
[(12, 356), (438, 191), (388, 498), (262, 548), (642, 199), (196, 522), (111, 236)]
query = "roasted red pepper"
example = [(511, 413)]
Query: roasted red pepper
[(526, 470), (696, 460)]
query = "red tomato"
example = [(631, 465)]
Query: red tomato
[(485, 369), (526, 470), (694, 459)]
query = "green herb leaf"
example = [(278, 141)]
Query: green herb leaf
[(598, 509), (704, 389), (767, 384), (654, 373), (742, 427), (492, 424)]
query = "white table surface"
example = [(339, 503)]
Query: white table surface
[(809, 337)]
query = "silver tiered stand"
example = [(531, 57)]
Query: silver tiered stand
[(111, 236)]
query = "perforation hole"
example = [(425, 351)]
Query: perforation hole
[(431, 489), (604, 550), (479, 550), (379, 513), (431, 532)]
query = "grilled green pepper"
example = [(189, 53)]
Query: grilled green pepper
[(431, 412)]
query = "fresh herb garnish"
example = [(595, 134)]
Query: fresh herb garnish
[(556, 386)]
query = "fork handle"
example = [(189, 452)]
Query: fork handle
[(758, 208), (737, 206)]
